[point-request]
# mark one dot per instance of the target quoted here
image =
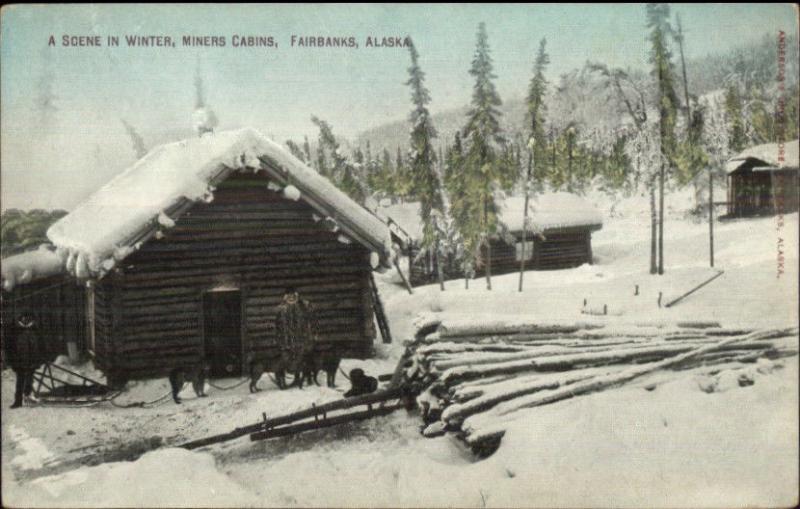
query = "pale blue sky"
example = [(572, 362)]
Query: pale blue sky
[(276, 90)]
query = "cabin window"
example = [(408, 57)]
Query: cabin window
[(528, 250), (90, 321)]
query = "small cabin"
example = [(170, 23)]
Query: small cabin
[(559, 236), (185, 256), (762, 180)]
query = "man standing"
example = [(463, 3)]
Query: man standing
[(297, 330), (24, 355)]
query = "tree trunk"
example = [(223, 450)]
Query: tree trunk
[(488, 246), (439, 264), (569, 164), (653, 226), (661, 219), (685, 79), (525, 218), (711, 216)]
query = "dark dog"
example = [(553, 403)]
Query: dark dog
[(361, 383), (257, 367), (196, 375), (327, 362)]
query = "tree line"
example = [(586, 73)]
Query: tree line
[(620, 130)]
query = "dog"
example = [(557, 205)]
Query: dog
[(196, 375), (361, 383), (257, 367), (325, 361)]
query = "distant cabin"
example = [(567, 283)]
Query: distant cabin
[(559, 236), (186, 255), (763, 181)]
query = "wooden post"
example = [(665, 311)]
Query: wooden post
[(653, 228), (661, 219), (711, 216)]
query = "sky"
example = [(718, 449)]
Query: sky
[(54, 157)]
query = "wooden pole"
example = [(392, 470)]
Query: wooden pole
[(653, 229), (661, 219), (403, 277), (711, 216), (325, 422), (712, 278)]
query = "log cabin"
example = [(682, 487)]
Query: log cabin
[(185, 256), (35, 283), (559, 236), (763, 180)]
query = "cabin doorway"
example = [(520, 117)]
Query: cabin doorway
[(222, 332)]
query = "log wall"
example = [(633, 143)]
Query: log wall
[(249, 238)]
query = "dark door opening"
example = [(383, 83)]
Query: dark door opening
[(222, 322)]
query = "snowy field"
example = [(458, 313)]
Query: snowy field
[(676, 445)]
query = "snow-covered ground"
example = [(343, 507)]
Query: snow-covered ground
[(695, 440)]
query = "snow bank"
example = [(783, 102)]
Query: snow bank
[(34, 453), (163, 478), (676, 446), (111, 219), (30, 266)]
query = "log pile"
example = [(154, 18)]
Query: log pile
[(474, 378)]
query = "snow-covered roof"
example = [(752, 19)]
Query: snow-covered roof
[(769, 154), (29, 266), (152, 193), (549, 211)]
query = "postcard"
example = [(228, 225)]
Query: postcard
[(425, 255)]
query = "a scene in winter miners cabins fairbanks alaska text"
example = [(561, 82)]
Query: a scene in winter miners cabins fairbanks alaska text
[(400, 255)]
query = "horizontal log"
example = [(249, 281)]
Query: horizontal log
[(177, 277), (204, 281)]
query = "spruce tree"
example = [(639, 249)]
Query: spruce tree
[(536, 141), (295, 150), (733, 112), (307, 150), (341, 172), (464, 210), (483, 168), (424, 184), (402, 184), (661, 58)]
